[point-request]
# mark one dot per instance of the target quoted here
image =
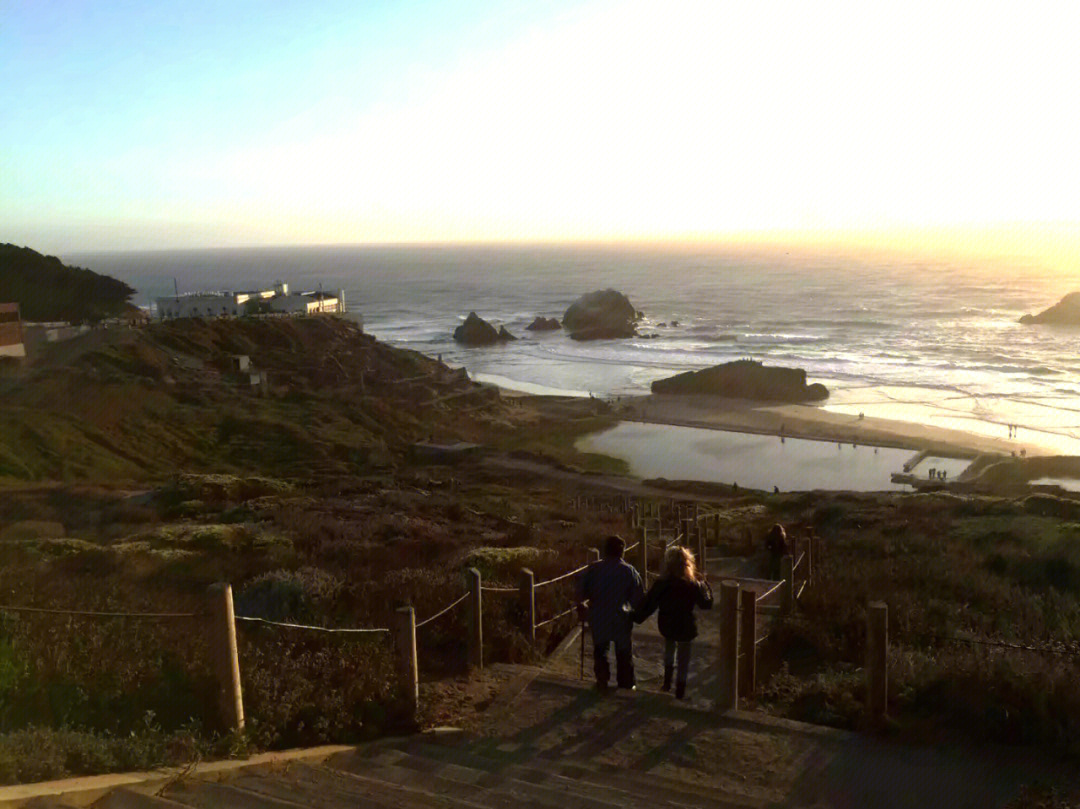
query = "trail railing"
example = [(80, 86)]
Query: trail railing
[(685, 521)]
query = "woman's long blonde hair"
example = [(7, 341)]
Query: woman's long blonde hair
[(679, 563)]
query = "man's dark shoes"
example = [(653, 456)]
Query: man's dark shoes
[(603, 688), (668, 672), (680, 690)]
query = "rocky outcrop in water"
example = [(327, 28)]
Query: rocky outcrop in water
[(745, 379), (1065, 312), (543, 324), (504, 334), (476, 331), (602, 315)]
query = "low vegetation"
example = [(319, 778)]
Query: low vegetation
[(966, 580)]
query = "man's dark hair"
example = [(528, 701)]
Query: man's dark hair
[(614, 547)]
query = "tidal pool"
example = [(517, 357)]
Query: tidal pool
[(753, 461)]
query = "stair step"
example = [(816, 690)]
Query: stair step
[(211, 795), (534, 774), (392, 795), (486, 789), (125, 798), (653, 786), (320, 788)]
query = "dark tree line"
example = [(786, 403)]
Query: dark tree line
[(48, 290)]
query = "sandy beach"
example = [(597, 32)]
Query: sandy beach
[(816, 423)]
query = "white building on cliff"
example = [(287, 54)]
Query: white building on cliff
[(266, 301)]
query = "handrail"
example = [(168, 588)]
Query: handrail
[(560, 578), (441, 612), (95, 614), (770, 591), (556, 617), (311, 628)]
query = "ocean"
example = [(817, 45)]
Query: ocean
[(930, 340)]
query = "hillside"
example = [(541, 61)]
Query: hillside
[(46, 289), (140, 404)]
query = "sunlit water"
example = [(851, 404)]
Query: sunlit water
[(933, 341), (752, 461)]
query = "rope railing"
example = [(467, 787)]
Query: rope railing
[(798, 593), (96, 614), (562, 614), (560, 578), (486, 589), (441, 612), (774, 589), (1019, 647), (310, 628)]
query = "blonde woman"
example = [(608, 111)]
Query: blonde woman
[(676, 593)]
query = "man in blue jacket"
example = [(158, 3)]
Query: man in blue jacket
[(612, 589)]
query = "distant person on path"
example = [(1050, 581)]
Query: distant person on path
[(776, 545), (676, 593), (612, 589)]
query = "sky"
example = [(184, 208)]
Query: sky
[(248, 122)]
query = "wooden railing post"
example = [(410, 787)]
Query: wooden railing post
[(527, 584), (702, 558), (747, 643), (407, 668), (787, 592), (728, 690), (476, 619), (809, 561), (224, 656), (877, 662)]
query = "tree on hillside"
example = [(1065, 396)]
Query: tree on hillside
[(47, 289)]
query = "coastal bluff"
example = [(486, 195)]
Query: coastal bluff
[(601, 315), (745, 379), (1065, 312)]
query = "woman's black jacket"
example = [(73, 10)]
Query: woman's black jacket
[(676, 599)]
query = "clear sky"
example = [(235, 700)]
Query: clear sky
[(242, 122)]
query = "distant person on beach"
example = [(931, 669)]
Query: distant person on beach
[(776, 545), (676, 593), (611, 589)]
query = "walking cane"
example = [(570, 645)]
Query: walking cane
[(581, 656)]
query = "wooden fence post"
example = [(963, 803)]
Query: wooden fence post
[(877, 662), (702, 556), (407, 669), (476, 616), (787, 592), (748, 643), (809, 561), (225, 659), (728, 691), (527, 584)]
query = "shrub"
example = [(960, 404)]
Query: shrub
[(282, 595)]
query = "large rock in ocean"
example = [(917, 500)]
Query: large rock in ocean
[(745, 379), (476, 331), (601, 315), (1065, 312), (543, 324)]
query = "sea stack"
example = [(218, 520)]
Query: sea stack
[(745, 379), (1065, 312), (543, 324), (602, 315), (476, 331)]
